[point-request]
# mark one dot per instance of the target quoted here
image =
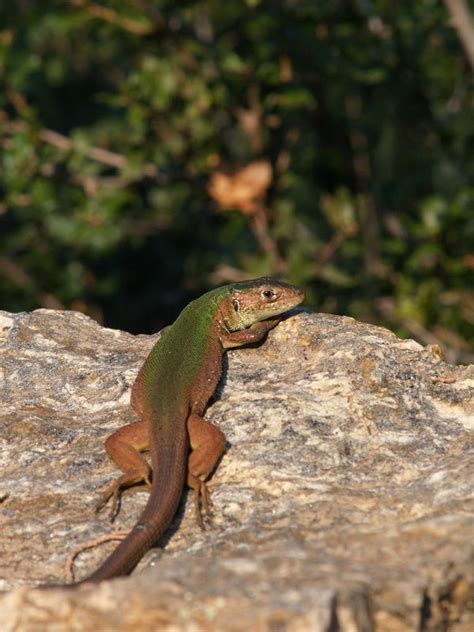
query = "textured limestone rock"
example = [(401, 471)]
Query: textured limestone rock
[(343, 501)]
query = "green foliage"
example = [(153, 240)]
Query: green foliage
[(115, 117)]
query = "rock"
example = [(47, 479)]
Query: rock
[(343, 501)]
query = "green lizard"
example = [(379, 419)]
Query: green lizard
[(170, 395)]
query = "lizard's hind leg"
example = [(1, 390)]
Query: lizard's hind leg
[(207, 445), (124, 447)]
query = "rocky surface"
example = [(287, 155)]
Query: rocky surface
[(343, 501)]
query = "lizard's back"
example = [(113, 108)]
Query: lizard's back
[(165, 387)]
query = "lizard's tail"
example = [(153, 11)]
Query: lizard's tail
[(169, 469)]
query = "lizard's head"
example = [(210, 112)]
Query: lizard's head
[(256, 300)]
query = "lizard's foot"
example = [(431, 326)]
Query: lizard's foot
[(202, 499), (114, 491)]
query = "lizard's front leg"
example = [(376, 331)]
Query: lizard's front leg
[(124, 447), (207, 445), (253, 334)]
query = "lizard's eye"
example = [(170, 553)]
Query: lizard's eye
[(268, 295), (235, 304)]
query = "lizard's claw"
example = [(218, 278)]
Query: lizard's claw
[(68, 567), (114, 492), (206, 499), (202, 501)]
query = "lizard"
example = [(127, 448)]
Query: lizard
[(170, 395)]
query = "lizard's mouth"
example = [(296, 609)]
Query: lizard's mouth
[(281, 305), (261, 299)]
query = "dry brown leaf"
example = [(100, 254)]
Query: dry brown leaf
[(244, 189)]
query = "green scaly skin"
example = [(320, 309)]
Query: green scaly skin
[(176, 381)]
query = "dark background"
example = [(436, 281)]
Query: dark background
[(152, 150)]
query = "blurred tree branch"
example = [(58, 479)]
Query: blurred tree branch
[(110, 15), (462, 21), (367, 207), (65, 144)]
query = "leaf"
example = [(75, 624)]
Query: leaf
[(244, 190)]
